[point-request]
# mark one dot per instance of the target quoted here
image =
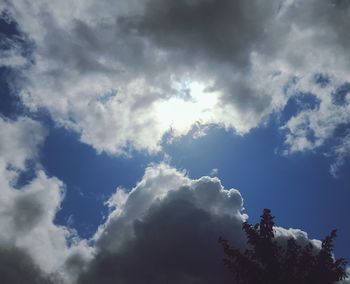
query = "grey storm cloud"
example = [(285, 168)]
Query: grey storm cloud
[(226, 31), (217, 37), (175, 243), (27, 212), (17, 267)]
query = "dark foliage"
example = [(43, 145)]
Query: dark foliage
[(267, 262)]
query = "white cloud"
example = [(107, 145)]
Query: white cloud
[(123, 75), (27, 213), (312, 128), (341, 153), (214, 172), (20, 141), (11, 59)]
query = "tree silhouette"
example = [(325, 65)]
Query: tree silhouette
[(267, 262)]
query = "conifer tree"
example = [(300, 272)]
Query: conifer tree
[(266, 262)]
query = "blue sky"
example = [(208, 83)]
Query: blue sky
[(107, 115)]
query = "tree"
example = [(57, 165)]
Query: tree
[(265, 261)]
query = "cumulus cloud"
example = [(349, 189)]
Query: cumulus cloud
[(123, 75), (17, 267), (31, 245), (159, 182), (165, 230), (20, 141)]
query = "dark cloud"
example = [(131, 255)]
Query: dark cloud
[(340, 96), (174, 238), (17, 267), (175, 243), (76, 49), (221, 30), (27, 212), (240, 94), (166, 230)]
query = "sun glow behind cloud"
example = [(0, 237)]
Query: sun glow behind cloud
[(140, 52), (181, 113)]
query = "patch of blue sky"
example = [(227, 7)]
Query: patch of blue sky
[(90, 178), (104, 98), (10, 105), (299, 102), (9, 26), (11, 37), (339, 97), (322, 79)]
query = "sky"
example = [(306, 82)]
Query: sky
[(134, 133)]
